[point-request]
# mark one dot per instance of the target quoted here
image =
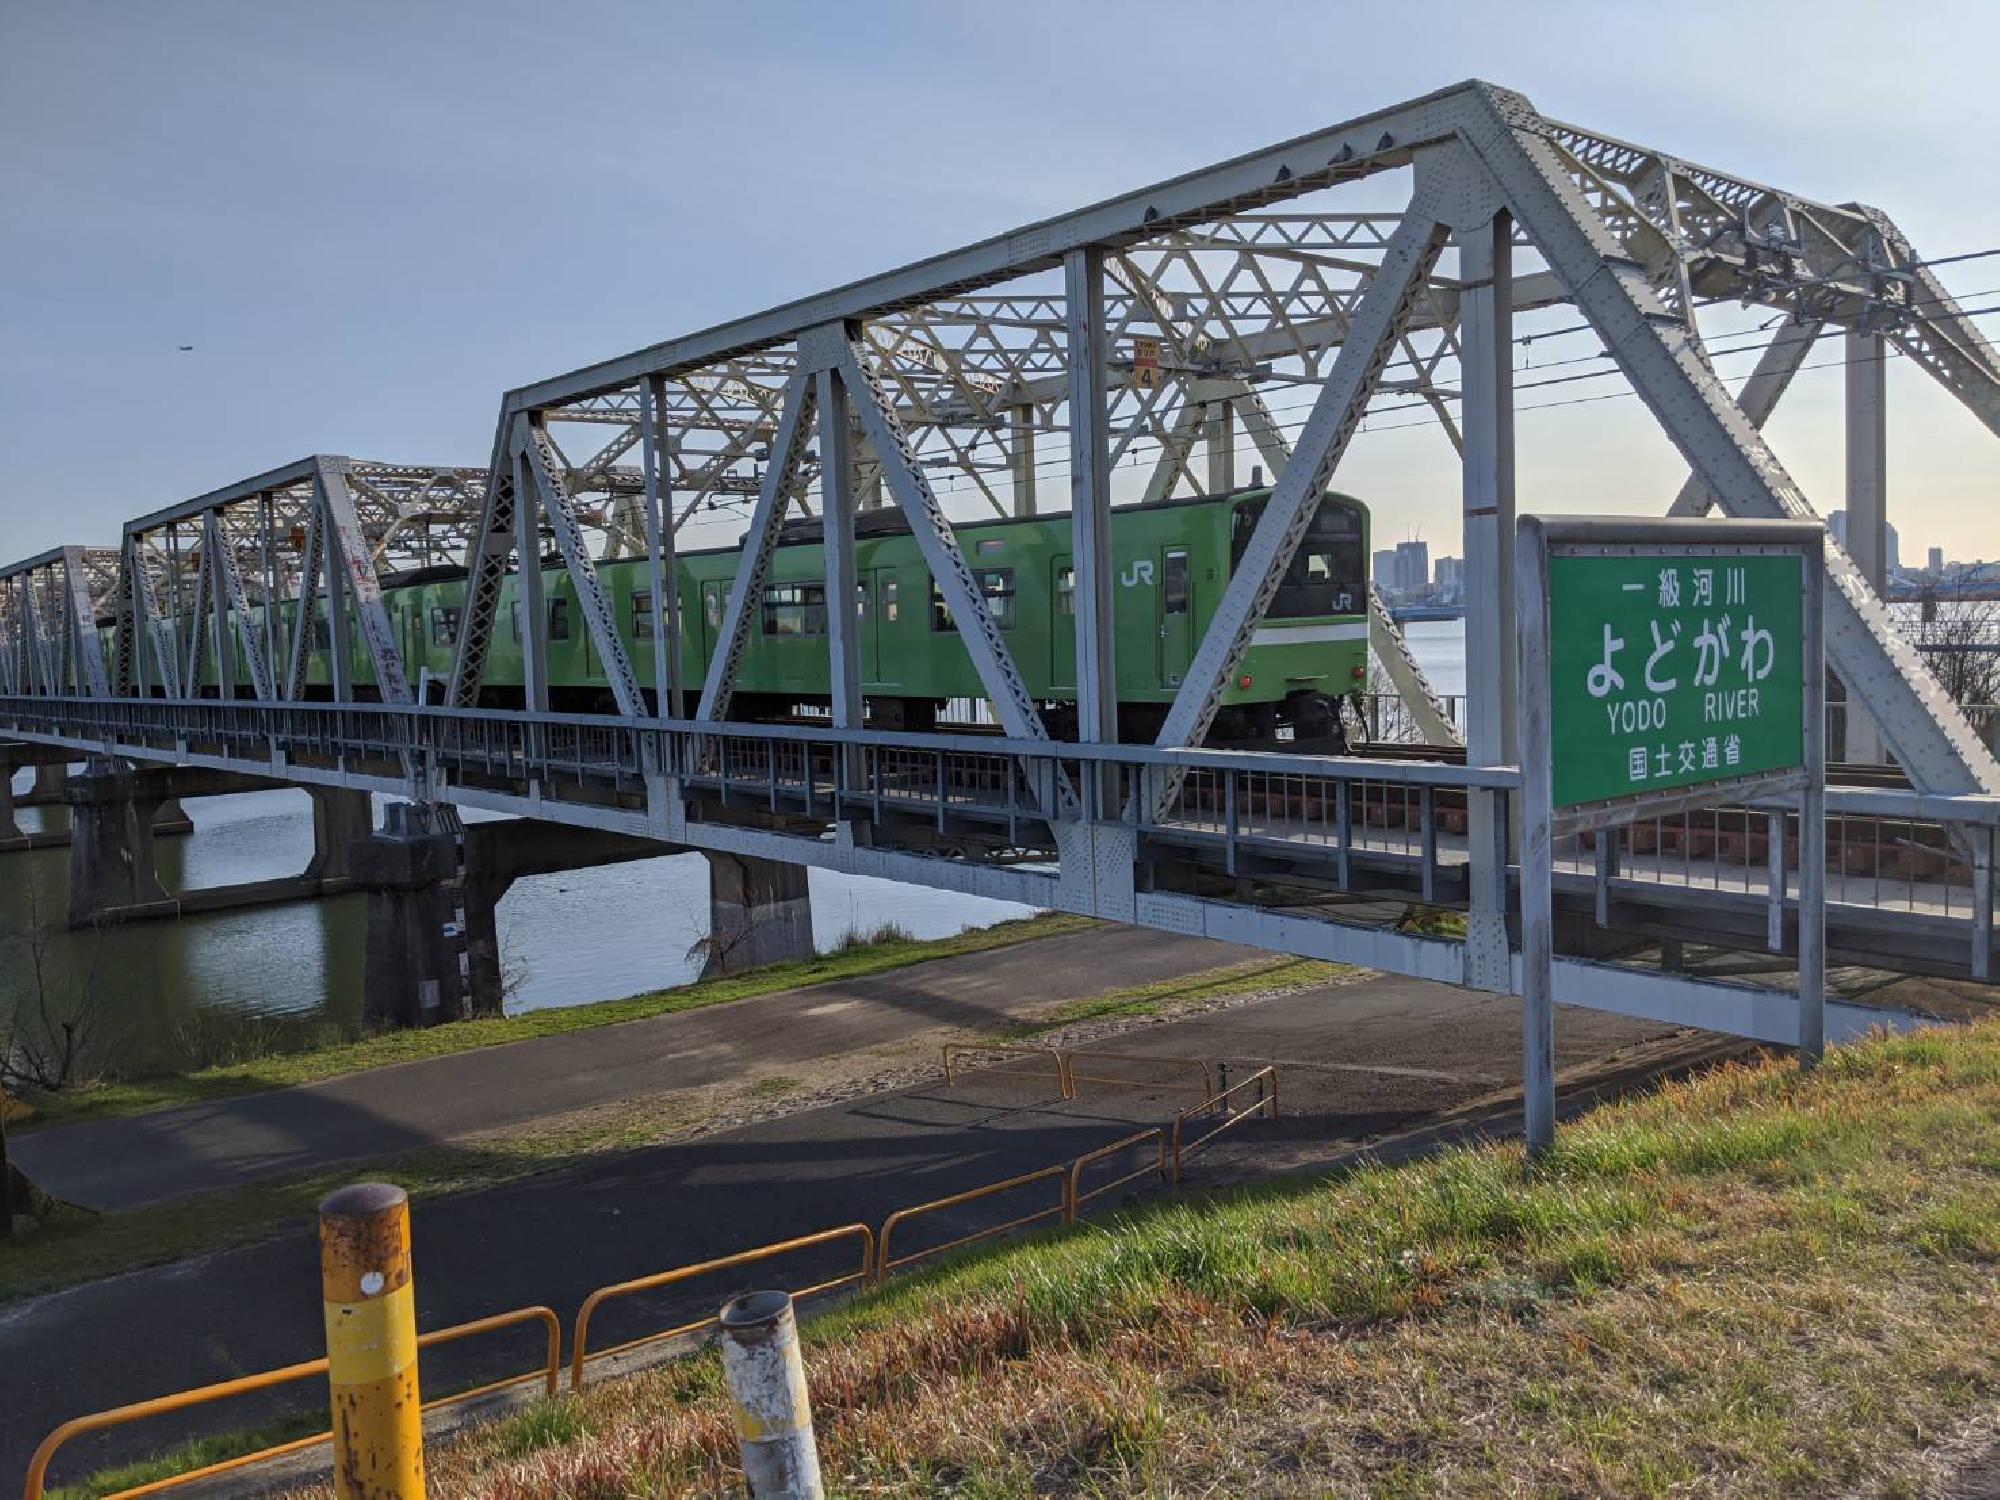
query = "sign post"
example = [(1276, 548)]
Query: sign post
[(1665, 665)]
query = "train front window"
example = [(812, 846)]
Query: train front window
[(1328, 573)]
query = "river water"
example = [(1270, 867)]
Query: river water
[(235, 984)]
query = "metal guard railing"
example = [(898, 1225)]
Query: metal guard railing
[(38, 1468)]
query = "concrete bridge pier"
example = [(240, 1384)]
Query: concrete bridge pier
[(434, 890), (112, 877), (341, 818), (52, 765), (415, 971), (759, 912), (117, 809)]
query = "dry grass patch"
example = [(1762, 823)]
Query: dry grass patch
[(1753, 1283)]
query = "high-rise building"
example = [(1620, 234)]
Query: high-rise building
[(1450, 577), (1383, 570), (1413, 568), (1836, 527), (1936, 568)]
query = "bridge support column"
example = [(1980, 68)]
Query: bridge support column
[(341, 819), (1867, 506), (759, 912), (1486, 333), (111, 869), (414, 975)]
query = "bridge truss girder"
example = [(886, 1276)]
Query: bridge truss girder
[(1235, 279), (49, 608)]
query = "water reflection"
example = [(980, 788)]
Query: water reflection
[(237, 983)]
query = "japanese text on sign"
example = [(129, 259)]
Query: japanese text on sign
[(1670, 671)]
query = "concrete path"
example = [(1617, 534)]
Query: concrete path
[(124, 1163), (1358, 1061)]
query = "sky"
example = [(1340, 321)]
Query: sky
[(371, 219)]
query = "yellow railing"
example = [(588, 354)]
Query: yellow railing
[(955, 1050), (877, 1262), (1265, 1081), (121, 1416), (1112, 1080), (1078, 1197), (580, 1345), (885, 1262)]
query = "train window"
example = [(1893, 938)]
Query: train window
[(558, 620), (642, 615), (1174, 582), (1328, 574), (444, 625), (1066, 590), (997, 584), (795, 609), (711, 607), (890, 610)]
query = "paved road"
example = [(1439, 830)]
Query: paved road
[(114, 1164), (1359, 1059)]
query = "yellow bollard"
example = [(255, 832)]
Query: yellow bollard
[(371, 1343)]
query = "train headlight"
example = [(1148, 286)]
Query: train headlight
[(1244, 682)]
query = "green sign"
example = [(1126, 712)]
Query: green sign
[(1671, 671)]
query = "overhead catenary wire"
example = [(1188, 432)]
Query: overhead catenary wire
[(1147, 450)]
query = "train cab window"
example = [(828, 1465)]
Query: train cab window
[(1328, 574), (890, 609), (1174, 582), (997, 584), (711, 607), (444, 624), (1066, 590), (795, 609)]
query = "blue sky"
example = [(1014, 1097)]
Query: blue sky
[(371, 218)]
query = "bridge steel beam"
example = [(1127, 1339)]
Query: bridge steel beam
[(760, 539), (1091, 563), (1660, 354), (843, 623), (543, 472), (1485, 253), (1867, 453), (932, 530), (663, 574), (1776, 365), (1337, 411)]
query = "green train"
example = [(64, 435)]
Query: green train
[(1172, 560)]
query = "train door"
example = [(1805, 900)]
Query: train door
[(881, 610), (1062, 628), (1176, 607), (714, 599)]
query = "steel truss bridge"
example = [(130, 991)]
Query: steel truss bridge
[(1175, 325)]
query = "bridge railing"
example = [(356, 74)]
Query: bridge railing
[(1344, 820)]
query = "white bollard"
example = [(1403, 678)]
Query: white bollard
[(767, 1389)]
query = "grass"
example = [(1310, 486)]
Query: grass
[(890, 947), (1754, 1283), (1257, 976), (73, 1250), (196, 1453)]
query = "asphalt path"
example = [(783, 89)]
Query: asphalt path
[(1357, 1059), (126, 1163)]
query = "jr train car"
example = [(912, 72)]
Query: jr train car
[(1171, 559)]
